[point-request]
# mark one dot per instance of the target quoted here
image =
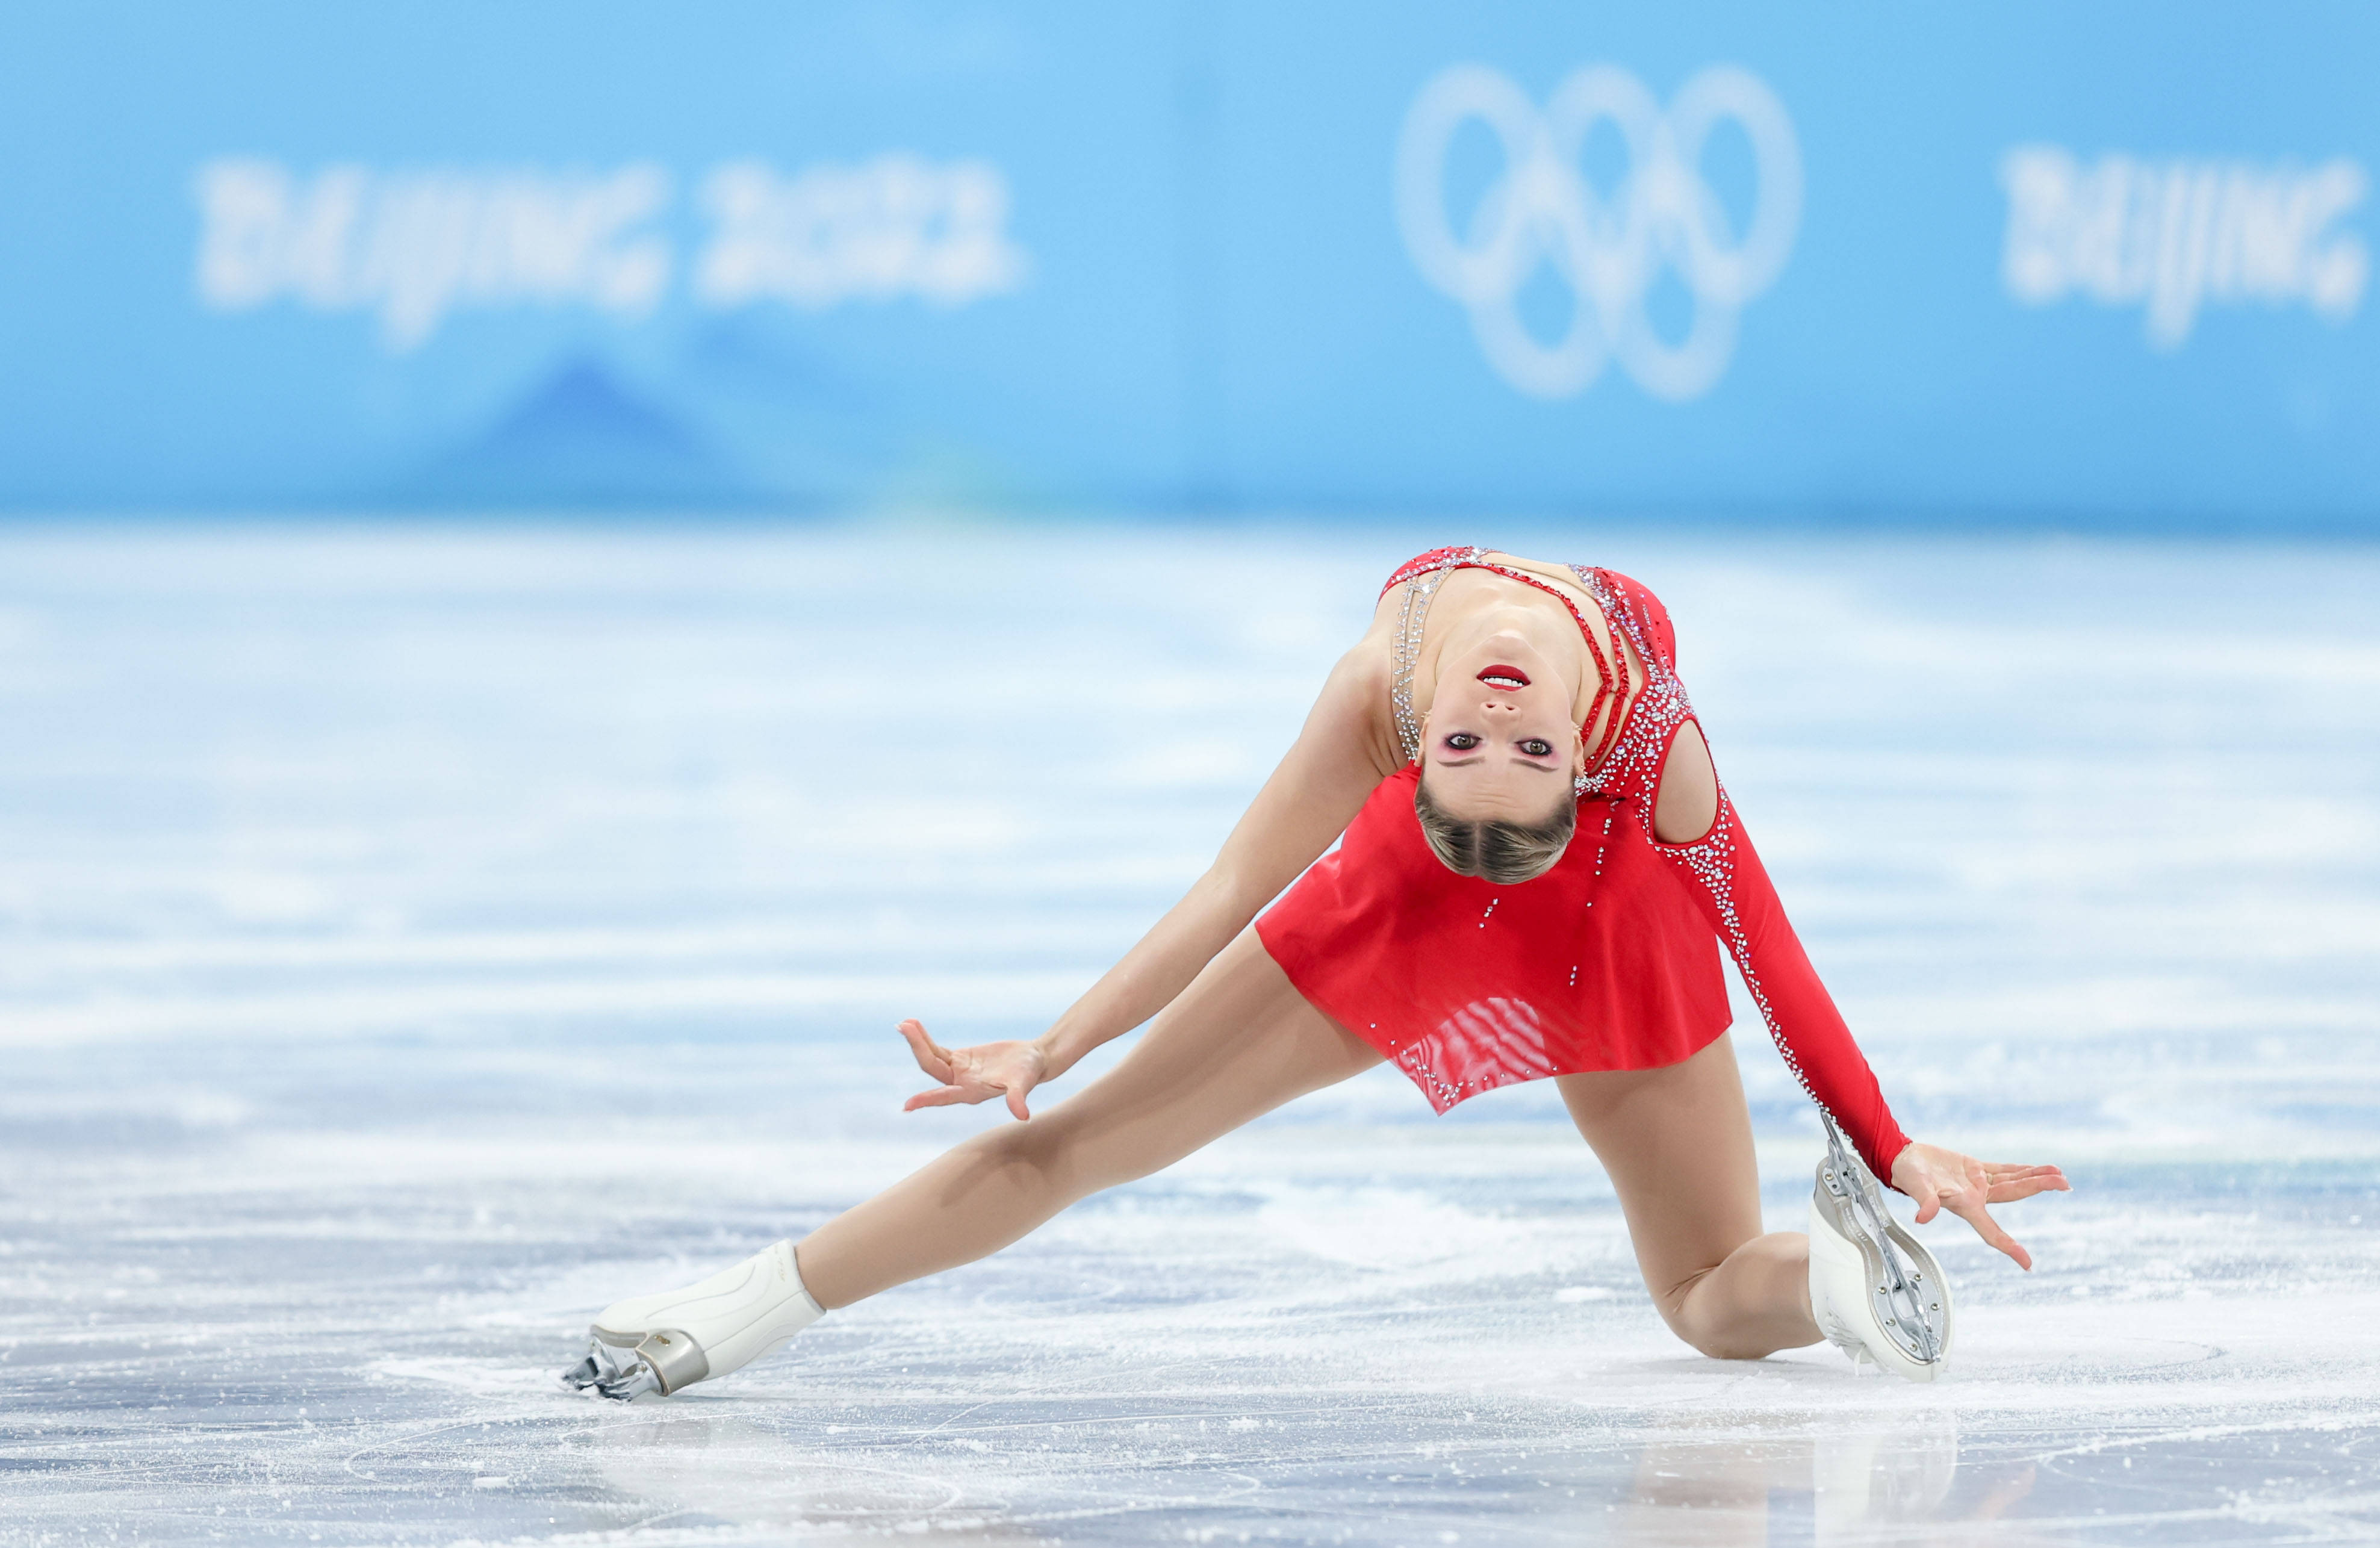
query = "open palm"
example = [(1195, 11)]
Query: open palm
[(1942, 1180), (977, 1074)]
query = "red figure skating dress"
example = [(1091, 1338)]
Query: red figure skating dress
[(1608, 961)]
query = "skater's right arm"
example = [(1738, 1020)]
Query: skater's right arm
[(1337, 760), (1345, 750)]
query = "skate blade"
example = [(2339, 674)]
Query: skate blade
[(603, 1363), (1909, 1295), (1914, 1298), (630, 1384)]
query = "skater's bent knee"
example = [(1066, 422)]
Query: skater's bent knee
[(1721, 1336), (1705, 1336), (1711, 1327), (1730, 1344)]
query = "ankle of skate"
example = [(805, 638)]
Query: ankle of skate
[(663, 1344)]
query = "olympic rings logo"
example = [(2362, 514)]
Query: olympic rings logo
[(1608, 247)]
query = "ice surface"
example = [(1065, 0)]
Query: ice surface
[(416, 938)]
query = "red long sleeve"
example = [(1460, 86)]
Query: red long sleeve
[(1731, 888)]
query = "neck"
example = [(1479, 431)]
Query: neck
[(1558, 645)]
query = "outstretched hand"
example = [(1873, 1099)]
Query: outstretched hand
[(976, 1074), (1940, 1179)]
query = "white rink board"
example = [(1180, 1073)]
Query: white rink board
[(412, 938)]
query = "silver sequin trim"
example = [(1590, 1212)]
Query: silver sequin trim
[(1405, 647), (1633, 770)]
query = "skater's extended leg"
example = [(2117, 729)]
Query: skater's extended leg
[(1238, 1041), (1678, 1144)]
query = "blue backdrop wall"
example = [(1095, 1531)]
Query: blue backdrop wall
[(2096, 262)]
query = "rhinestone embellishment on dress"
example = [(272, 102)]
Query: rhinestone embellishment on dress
[(1421, 580), (1632, 723)]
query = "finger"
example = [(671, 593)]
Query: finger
[(1930, 1202), (2024, 1182), (1999, 1173), (932, 1060), (915, 1031), (1016, 1100), (942, 1097), (1989, 1229)]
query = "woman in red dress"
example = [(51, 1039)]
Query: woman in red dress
[(1536, 868)]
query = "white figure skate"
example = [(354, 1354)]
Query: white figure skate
[(668, 1342), (1878, 1296)]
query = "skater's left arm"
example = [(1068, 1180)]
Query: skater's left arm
[(1695, 825), (1694, 822)]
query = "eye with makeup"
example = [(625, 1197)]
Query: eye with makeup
[(1467, 741)]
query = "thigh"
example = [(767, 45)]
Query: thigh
[(1678, 1144), (1238, 1041)]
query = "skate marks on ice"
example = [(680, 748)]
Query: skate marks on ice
[(1182, 1475), (1286, 1337), (1204, 1449), (412, 941)]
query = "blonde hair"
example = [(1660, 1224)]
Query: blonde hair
[(1502, 852)]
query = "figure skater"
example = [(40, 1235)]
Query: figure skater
[(1537, 866)]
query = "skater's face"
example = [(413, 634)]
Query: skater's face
[(1499, 745)]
